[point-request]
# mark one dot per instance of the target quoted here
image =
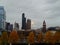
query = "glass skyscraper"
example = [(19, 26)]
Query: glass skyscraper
[(23, 21), (2, 17)]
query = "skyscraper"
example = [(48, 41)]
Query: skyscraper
[(23, 21), (44, 27), (9, 26), (16, 26), (28, 24), (2, 17)]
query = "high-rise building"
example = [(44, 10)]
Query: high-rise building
[(28, 24), (23, 21), (2, 17), (9, 26), (44, 27), (16, 26)]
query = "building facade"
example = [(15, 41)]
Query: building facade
[(9, 26), (28, 24), (23, 21), (16, 26), (44, 27), (2, 17)]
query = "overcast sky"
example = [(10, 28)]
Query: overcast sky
[(36, 10)]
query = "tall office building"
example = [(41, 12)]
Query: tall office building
[(23, 21), (9, 26), (2, 17), (44, 27), (28, 24), (16, 26)]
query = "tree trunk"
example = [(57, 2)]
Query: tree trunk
[(28, 43), (10, 44)]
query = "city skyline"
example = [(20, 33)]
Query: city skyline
[(36, 10)]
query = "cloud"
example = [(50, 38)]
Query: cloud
[(37, 10), (52, 1)]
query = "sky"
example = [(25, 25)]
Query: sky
[(36, 10)]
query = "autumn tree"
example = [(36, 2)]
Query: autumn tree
[(4, 37), (39, 37), (31, 38), (21, 37), (13, 37), (48, 37), (57, 36), (52, 40), (0, 40)]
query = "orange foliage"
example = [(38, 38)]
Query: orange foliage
[(39, 37), (13, 37), (48, 36), (0, 39), (57, 36), (31, 37), (4, 36)]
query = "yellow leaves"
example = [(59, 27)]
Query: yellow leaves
[(39, 37), (13, 36), (48, 36), (4, 36), (57, 36), (52, 38), (31, 37)]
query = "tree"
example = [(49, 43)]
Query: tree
[(0, 41), (57, 36), (4, 37), (48, 37), (13, 37), (21, 37), (31, 38), (39, 37)]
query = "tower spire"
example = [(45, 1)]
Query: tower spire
[(44, 23)]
